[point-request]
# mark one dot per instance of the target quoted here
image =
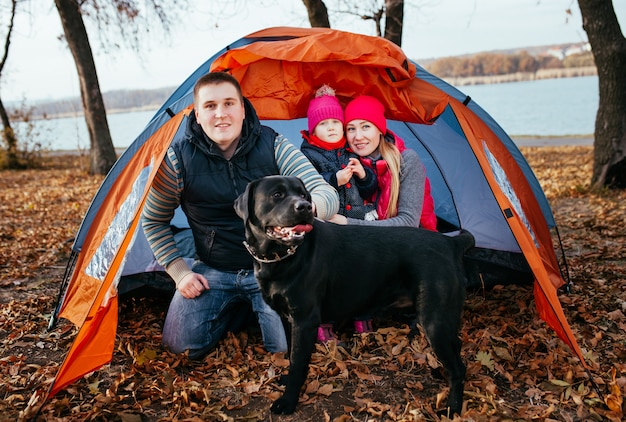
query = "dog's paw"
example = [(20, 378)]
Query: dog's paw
[(444, 413), (283, 406), (438, 373), (448, 412)]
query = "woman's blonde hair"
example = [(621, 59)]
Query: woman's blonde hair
[(393, 158)]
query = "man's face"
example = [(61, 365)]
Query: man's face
[(220, 113)]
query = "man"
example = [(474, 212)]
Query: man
[(223, 149)]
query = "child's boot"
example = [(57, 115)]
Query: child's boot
[(363, 326)]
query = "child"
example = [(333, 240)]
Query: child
[(324, 145)]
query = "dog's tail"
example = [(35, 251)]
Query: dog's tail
[(465, 239), (470, 273)]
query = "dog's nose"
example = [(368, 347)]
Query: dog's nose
[(303, 206)]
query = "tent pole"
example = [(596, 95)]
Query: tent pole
[(595, 386), (568, 285), (69, 270)]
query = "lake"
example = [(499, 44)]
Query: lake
[(548, 107)]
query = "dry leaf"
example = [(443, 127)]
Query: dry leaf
[(485, 359), (325, 390)]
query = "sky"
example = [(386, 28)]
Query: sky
[(40, 67)]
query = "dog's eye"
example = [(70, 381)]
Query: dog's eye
[(277, 195)]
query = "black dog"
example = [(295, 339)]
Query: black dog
[(312, 271)]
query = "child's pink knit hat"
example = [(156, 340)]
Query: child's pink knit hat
[(324, 106), (367, 108)]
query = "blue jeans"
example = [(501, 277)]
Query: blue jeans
[(198, 324)]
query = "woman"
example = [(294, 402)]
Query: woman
[(403, 197)]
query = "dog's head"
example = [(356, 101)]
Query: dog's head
[(275, 208)]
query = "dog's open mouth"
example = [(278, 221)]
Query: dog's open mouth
[(286, 234)]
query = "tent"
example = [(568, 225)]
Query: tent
[(480, 180)]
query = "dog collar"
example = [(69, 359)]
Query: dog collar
[(290, 251)]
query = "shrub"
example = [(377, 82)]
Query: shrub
[(21, 144)]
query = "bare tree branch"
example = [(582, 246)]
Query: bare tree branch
[(7, 40)]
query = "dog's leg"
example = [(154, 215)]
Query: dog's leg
[(303, 335), (442, 330)]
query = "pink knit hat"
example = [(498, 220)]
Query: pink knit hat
[(324, 106), (367, 108)]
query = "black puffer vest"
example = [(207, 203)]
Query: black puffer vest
[(212, 183)]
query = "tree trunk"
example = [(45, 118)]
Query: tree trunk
[(318, 14), (394, 16), (102, 151), (12, 160), (609, 52), (8, 135)]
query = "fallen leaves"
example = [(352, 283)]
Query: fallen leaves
[(56, 197), (517, 369)]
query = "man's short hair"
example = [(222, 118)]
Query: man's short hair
[(216, 78)]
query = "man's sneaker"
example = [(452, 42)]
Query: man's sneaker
[(363, 326)]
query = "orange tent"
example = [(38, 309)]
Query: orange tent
[(479, 178)]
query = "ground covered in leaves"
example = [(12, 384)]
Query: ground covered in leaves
[(517, 368)]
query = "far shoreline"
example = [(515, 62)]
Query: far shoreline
[(519, 140), (552, 141), (540, 74)]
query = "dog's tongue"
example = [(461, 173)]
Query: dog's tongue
[(303, 228)]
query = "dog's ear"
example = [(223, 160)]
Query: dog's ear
[(241, 203), (308, 194)]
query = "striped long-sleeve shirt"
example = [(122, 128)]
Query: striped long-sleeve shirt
[(165, 193)]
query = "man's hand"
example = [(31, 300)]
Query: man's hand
[(338, 219), (192, 285)]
